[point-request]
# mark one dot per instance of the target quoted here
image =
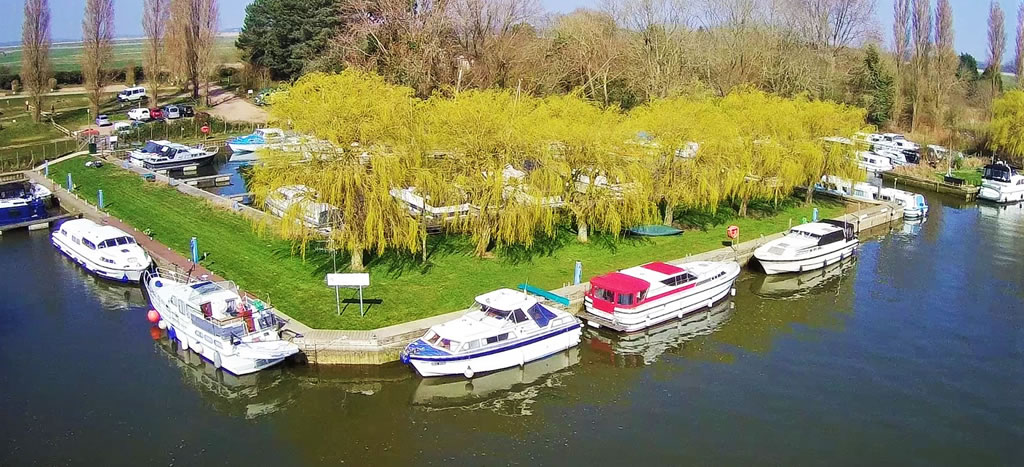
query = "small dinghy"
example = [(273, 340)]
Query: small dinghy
[(655, 230), (503, 329)]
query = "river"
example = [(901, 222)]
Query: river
[(914, 354)]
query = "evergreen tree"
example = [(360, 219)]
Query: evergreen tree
[(283, 35), (877, 88)]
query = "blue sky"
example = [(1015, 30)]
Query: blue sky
[(970, 19)]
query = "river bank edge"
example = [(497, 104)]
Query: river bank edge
[(383, 345)]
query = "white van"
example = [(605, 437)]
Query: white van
[(132, 94)]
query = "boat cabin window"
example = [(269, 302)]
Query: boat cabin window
[(498, 338), (606, 295), (540, 315), (152, 147), (679, 279), (518, 316), (90, 245), (625, 299), (471, 345), (802, 233)]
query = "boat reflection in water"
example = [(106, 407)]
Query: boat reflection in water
[(510, 390), (793, 286), (913, 226), (252, 395), (643, 348)]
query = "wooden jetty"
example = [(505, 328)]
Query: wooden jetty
[(39, 224), (207, 181), (968, 192)]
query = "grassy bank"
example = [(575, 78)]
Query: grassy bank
[(405, 288), (971, 176), (68, 57)]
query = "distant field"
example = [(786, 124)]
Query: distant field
[(66, 57)]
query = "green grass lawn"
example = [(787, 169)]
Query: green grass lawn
[(972, 176), (406, 288), (67, 57)]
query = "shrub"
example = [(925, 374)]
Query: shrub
[(15, 85)]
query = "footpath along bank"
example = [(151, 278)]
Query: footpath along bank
[(333, 346)]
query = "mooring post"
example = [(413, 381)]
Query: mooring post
[(100, 198), (70, 186)]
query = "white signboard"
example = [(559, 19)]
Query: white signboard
[(361, 279)]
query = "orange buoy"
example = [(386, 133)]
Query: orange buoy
[(155, 333), (153, 316)]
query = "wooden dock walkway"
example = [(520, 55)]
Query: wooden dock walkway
[(39, 224)]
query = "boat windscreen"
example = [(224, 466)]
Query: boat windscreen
[(152, 147), (203, 288), (998, 173), (540, 315)]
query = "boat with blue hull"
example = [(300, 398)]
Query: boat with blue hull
[(103, 250), (503, 329), (22, 201)]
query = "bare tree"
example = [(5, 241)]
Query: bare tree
[(657, 49), (97, 49), (495, 38), (901, 42), (35, 52), (996, 44), (154, 23), (832, 24), (191, 35), (1020, 42), (921, 26), (945, 57)]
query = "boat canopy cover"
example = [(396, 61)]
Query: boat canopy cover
[(998, 172), (540, 315), (620, 283), (664, 268)]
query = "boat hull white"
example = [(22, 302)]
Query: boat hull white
[(246, 147), (231, 363), (497, 359), (1007, 194), (95, 267), (669, 308), (817, 260)]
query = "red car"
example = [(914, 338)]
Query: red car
[(155, 113)]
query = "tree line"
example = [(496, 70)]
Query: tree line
[(508, 168), (179, 36)]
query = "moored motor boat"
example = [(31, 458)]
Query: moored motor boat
[(103, 250), (1001, 183), (259, 139), (22, 201), (504, 328), (310, 212), (165, 155), (807, 247), (914, 205), (873, 163), (643, 296), (237, 333)]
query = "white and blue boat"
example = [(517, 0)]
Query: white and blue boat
[(914, 205), (103, 250), (22, 201), (259, 139), (503, 329)]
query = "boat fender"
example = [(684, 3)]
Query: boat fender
[(184, 342), (711, 303), (468, 373), (170, 333), (733, 291), (197, 347), (217, 363), (161, 324)]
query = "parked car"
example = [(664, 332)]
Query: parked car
[(133, 94), (89, 132), (122, 127), (141, 114), (187, 111), (102, 120), (172, 112), (155, 113)]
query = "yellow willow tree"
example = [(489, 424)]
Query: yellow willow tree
[(1006, 131), (818, 155), (490, 149), (363, 152), (606, 185), (683, 151)]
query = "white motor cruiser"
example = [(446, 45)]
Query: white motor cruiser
[(1001, 183), (259, 139), (237, 333), (807, 247), (873, 163), (504, 328), (311, 213), (165, 155), (841, 187), (914, 205), (643, 296), (103, 250)]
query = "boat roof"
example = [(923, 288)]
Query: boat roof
[(506, 300), (92, 231), (816, 228)]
